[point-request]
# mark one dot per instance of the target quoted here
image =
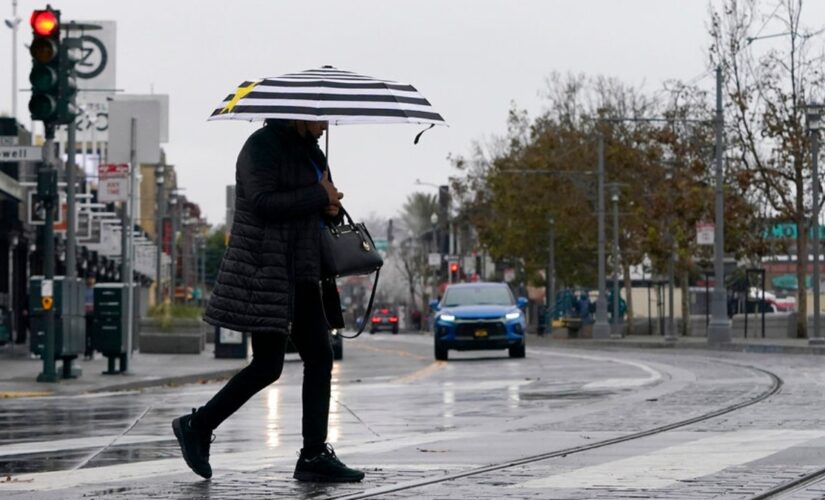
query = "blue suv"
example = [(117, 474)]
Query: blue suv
[(479, 316)]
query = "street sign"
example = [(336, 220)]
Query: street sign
[(704, 233), (509, 274), (37, 212), (21, 153), (381, 244), (434, 259), (113, 182), (8, 140)]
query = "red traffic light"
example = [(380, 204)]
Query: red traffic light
[(454, 267), (44, 22)]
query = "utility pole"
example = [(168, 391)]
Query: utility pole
[(719, 327), (128, 253), (601, 329), (617, 324), (550, 292), (71, 238)]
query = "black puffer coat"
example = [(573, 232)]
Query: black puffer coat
[(275, 237)]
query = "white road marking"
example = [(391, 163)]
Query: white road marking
[(222, 462), (662, 468), (74, 444), (653, 377)]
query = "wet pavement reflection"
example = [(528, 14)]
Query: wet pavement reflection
[(377, 402)]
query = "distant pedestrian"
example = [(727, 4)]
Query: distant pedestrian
[(584, 307), (89, 307), (268, 285)]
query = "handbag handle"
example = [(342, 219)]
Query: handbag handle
[(367, 312)]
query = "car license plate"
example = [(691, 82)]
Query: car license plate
[(480, 333)]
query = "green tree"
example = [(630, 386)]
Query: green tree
[(215, 248)]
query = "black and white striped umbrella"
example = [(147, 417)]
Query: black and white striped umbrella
[(327, 94)]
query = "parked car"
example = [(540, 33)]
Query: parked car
[(384, 318), (475, 316)]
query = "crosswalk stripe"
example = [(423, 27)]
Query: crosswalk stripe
[(663, 467)]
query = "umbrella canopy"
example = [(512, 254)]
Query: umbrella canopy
[(327, 94)]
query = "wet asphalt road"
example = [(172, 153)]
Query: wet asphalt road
[(403, 417)]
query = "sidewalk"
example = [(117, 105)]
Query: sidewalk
[(785, 346), (18, 372)]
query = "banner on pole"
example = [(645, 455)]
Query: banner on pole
[(113, 182)]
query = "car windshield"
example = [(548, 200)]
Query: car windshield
[(478, 296)]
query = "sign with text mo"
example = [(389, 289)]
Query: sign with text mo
[(705, 233), (113, 182)]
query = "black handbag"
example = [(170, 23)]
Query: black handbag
[(346, 250)]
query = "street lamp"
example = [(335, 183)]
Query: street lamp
[(616, 330), (159, 181), (670, 331), (12, 24), (436, 249), (550, 292), (174, 209), (814, 117)]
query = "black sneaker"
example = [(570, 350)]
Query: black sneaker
[(324, 467), (194, 445)]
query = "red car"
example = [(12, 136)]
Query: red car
[(384, 318)]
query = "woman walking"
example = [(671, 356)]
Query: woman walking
[(270, 285)]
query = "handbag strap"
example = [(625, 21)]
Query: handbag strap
[(368, 311)]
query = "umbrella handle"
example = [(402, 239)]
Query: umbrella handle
[(418, 136)]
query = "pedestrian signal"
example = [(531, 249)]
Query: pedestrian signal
[(47, 303)]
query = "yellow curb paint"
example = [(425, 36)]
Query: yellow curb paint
[(24, 394)]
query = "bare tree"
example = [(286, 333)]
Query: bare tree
[(768, 92)]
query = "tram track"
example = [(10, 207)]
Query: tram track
[(776, 385), (790, 487)]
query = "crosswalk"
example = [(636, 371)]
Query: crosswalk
[(694, 458)]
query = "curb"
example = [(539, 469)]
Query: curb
[(734, 347), (163, 381)]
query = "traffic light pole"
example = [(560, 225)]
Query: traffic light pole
[(49, 373)]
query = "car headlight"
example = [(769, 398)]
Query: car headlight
[(512, 315), (449, 318)]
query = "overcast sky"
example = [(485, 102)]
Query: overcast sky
[(470, 58)]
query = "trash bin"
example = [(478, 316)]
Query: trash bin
[(230, 344), (110, 324), (69, 320), (5, 326)]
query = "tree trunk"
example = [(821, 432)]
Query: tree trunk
[(685, 329), (628, 294), (801, 274)]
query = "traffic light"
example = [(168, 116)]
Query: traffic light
[(44, 76), (67, 81), (453, 267)]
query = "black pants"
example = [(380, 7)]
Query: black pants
[(311, 338)]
